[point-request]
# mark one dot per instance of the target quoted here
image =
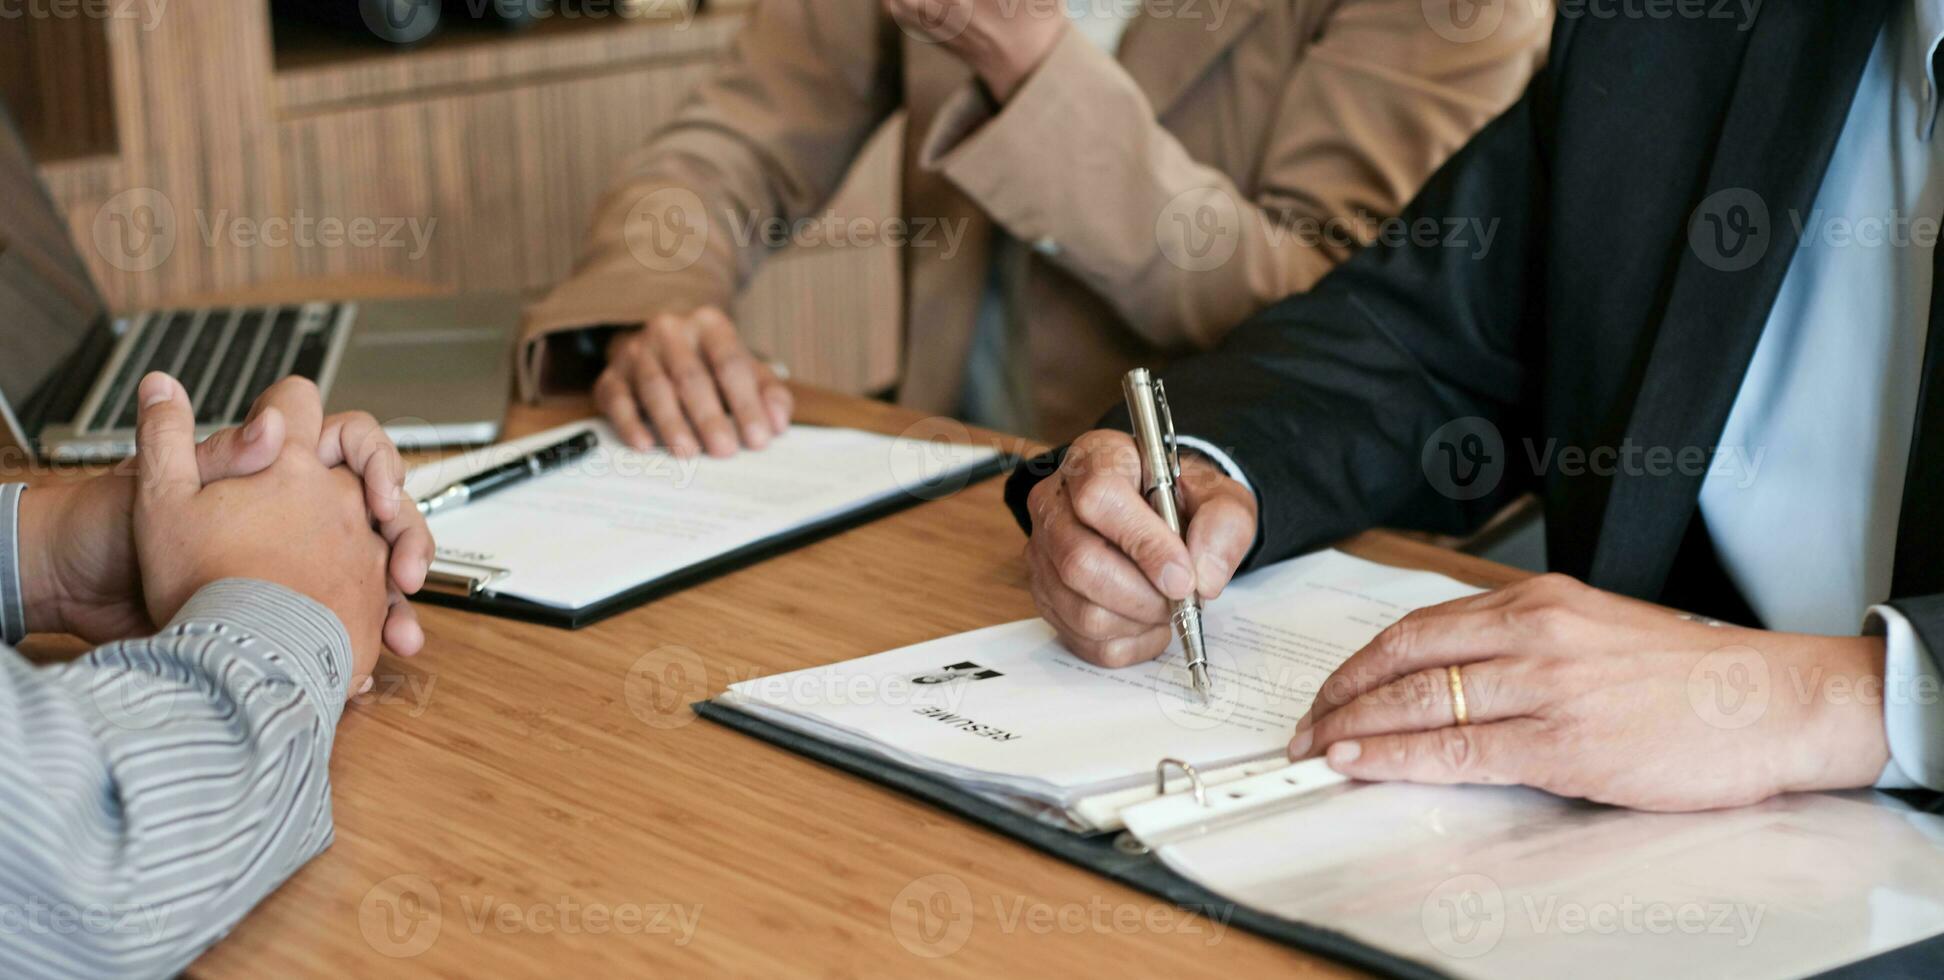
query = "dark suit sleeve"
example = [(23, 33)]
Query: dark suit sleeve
[(1328, 401)]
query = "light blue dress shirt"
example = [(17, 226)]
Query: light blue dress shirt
[(1807, 527), (1806, 524)]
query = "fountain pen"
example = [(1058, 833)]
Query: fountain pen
[(1154, 440)]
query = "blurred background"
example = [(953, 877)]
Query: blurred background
[(483, 129)]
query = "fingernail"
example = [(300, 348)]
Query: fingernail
[(1303, 724), (367, 685), (755, 433), (1344, 753), (254, 430), (155, 390), (1299, 745), (1177, 581)]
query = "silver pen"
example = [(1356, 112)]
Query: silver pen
[(1154, 439)]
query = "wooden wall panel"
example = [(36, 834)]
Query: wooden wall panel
[(54, 76), (496, 148)]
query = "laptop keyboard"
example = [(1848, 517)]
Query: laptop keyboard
[(225, 359), (242, 344)]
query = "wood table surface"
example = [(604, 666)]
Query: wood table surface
[(520, 800)]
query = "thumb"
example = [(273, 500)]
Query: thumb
[(1221, 527), (245, 451), (165, 440)]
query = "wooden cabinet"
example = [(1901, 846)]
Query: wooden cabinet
[(262, 151)]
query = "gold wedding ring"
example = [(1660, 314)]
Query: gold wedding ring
[(1458, 709)]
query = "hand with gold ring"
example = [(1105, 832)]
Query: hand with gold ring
[(1584, 693)]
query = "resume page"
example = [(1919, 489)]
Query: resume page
[(1008, 708)]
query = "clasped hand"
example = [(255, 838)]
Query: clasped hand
[(311, 503), (1568, 688)]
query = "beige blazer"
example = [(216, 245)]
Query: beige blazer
[(1166, 194)]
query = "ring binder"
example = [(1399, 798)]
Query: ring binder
[(1194, 779), (1166, 818)]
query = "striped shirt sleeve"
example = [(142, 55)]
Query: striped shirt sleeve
[(153, 791)]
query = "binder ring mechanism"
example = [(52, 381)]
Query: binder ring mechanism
[(1194, 779), (1126, 842)]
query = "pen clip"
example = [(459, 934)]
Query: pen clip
[(1166, 416)]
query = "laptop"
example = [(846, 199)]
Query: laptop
[(435, 372)]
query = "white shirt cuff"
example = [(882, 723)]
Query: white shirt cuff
[(1221, 459), (1913, 720), (13, 615)]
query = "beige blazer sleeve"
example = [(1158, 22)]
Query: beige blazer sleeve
[(771, 135), (1078, 163)]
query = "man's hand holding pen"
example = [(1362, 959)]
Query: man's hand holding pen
[(1105, 568)]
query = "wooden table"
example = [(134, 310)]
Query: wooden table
[(520, 800)]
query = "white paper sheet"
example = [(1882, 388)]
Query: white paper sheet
[(618, 518), (1512, 883), (1008, 709)]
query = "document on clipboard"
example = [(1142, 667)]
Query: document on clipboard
[(618, 527), (1006, 711), (1468, 881)]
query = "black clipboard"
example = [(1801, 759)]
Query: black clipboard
[(1097, 853), (510, 607)]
